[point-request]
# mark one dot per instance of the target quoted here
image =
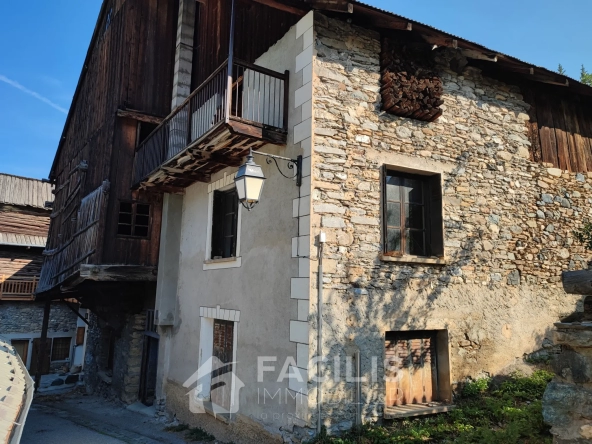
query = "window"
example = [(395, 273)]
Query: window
[(224, 224), (416, 370), (412, 214), (134, 219), (60, 350), (144, 130)]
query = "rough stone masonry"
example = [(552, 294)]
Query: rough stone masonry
[(508, 222)]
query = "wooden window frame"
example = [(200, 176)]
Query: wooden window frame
[(218, 227), (432, 215), (134, 215)]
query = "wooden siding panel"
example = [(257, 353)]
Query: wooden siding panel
[(547, 131), (130, 65)]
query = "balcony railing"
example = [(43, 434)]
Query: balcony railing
[(236, 92), (18, 288), (65, 260)]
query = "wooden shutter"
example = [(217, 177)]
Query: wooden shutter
[(217, 225), (435, 218), (411, 368), (80, 335)]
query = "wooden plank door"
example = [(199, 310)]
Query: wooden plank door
[(410, 368), (22, 348), (221, 386), (46, 358)]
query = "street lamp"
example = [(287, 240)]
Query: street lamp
[(249, 182), (249, 178)]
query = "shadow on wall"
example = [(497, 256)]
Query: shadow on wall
[(479, 318)]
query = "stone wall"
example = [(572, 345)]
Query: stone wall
[(123, 380), (27, 317), (508, 222)]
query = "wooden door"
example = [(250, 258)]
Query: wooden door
[(22, 348), (149, 369), (46, 358), (410, 368), (221, 386)]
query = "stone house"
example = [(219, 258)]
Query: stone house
[(438, 185), (24, 221)]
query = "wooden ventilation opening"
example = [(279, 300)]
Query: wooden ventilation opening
[(411, 86), (411, 368)]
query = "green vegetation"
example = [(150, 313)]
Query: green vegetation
[(192, 434), (560, 69), (585, 76), (502, 410), (585, 234)]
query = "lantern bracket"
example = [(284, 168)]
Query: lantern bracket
[(290, 163)]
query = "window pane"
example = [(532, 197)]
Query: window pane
[(393, 241), (393, 214), (125, 230), (413, 191), (141, 231), (142, 220), (143, 209), (392, 188), (414, 242), (125, 218), (414, 216), (125, 207)]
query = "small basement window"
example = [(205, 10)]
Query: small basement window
[(224, 224), (412, 211), (134, 219), (60, 349), (417, 373)]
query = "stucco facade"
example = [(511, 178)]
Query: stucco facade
[(493, 296)]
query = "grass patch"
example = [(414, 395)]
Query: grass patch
[(176, 428), (198, 434), (488, 411)]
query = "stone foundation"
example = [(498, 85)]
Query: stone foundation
[(567, 403)]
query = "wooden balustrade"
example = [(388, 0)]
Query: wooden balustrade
[(64, 261), (18, 288)]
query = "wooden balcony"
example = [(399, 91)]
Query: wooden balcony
[(66, 260), (239, 107), (18, 288)]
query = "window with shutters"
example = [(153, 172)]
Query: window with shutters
[(412, 214), (134, 219), (224, 224), (417, 368)]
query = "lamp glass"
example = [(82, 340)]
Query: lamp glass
[(253, 188)]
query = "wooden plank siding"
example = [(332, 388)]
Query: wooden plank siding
[(129, 65), (257, 28), (560, 128)]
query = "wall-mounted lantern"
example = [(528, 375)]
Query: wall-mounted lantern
[(249, 178)]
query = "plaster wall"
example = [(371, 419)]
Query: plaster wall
[(508, 222), (258, 285)]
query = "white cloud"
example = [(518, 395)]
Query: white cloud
[(20, 87)]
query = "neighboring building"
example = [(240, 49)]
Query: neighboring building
[(103, 239), (24, 221), (447, 179)]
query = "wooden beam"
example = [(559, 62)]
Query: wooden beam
[(332, 5), (577, 282), (283, 6), (118, 273), (139, 116)]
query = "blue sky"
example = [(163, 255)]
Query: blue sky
[(43, 44)]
